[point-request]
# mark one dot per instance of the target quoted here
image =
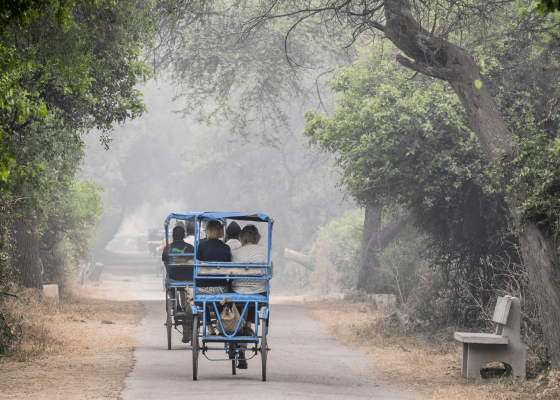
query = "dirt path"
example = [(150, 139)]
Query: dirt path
[(304, 363)]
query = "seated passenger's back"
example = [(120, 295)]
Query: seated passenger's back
[(178, 273), (213, 249), (250, 254)]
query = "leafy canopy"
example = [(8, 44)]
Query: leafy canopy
[(397, 142)]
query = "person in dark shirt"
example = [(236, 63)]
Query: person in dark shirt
[(213, 250), (179, 273), (177, 246)]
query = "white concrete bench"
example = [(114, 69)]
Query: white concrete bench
[(503, 346)]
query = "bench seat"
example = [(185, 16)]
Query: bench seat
[(231, 296), (483, 338)]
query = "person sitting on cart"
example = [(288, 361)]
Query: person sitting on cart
[(178, 274), (249, 252), (232, 235), (190, 233), (213, 250)]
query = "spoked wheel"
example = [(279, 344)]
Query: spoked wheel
[(232, 358), (264, 349), (169, 324), (195, 348)]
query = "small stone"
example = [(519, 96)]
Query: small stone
[(107, 322)]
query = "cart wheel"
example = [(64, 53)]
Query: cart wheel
[(232, 358), (195, 348), (169, 323), (264, 350)]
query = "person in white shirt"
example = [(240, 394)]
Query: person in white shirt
[(249, 252), (190, 233)]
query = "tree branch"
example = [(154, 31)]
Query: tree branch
[(374, 24), (440, 73)]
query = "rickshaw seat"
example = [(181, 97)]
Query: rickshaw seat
[(231, 296)]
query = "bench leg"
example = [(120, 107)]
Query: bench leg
[(475, 360), (480, 354), (465, 358)]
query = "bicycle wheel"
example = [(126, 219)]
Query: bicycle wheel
[(169, 323), (232, 358), (195, 347), (264, 348)]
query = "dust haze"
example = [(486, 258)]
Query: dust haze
[(163, 162)]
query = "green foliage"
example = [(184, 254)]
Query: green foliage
[(345, 236), (402, 143), (81, 69), (399, 264), (546, 6), (537, 175), (397, 142), (21, 12), (68, 231), (7, 332)]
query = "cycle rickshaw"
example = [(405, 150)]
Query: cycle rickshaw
[(205, 309)]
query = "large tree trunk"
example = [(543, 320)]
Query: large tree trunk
[(374, 240), (438, 58), (27, 260), (369, 261)]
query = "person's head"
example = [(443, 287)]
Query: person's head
[(190, 228), (232, 231), (178, 233), (249, 235), (214, 229)]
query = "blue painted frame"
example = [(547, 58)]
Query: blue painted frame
[(242, 301)]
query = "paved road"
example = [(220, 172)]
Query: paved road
[(303, 363)]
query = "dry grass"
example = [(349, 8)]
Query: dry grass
[(64, 342), (430, 362), (67, 327)]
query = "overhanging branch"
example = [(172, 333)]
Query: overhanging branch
[(440, 73), (374, 24)]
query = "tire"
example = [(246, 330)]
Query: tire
[(169, 323), (232, 358), (195, 347), (264, 349)]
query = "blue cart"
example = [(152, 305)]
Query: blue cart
[(205, 307)]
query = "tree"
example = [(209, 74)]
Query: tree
[(62, 75), (391, 140), (430, 48), (222, 75)]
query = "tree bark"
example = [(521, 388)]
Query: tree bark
[(369, 261), (374, 240), (436, 57), (27, 260)]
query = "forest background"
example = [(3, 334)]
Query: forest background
[(432, 175)]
